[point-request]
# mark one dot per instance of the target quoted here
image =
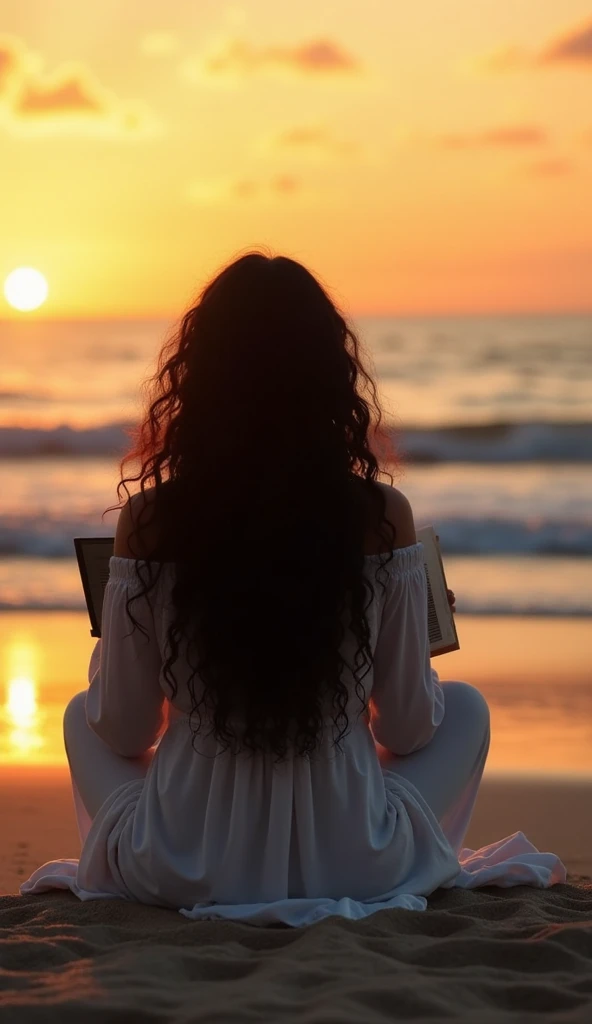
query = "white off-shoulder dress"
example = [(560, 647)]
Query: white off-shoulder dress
[(232, 836)]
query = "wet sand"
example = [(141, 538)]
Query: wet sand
[(535, 674)]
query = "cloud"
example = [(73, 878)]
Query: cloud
[(68, 99), (312, 141), (553, 167), (71, 92), (11, 59), (159, 44), (510, 137), (285, 183), (573, 48), (223, 190), (239, 58)]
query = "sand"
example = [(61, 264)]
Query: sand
[(488, 955), (477, 957)]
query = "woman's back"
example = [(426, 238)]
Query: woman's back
[(153, 546)]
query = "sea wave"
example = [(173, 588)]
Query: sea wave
[(534, 536), (111, 439), (486, 443), (39, 537), (36, 536), (500, 442)]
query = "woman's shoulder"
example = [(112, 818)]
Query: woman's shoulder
[(136, 535), (399, 514)]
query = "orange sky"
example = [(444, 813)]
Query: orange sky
[(424, 157)]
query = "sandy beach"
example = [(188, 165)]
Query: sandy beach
[(493, 956)]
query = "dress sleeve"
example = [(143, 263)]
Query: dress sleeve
[(406, 703), (125, 702)]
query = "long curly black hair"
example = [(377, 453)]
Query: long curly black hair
[(257, 449)]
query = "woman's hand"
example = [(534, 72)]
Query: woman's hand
[(451, 599)]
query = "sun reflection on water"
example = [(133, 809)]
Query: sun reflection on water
[(21, 701), (21, 715)]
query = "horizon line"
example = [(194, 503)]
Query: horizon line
[(34, 317)]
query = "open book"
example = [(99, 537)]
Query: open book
[(93, 554), (441, 625)]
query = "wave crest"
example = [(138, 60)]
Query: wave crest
[(487, 443)]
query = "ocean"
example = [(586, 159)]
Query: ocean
[(492, 415)]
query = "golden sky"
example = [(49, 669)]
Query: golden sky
[(426, 157)]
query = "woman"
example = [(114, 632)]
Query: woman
[(265, 621)]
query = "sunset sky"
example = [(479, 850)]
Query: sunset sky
[(426, 157)]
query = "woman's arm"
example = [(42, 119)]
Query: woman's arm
[(125, 702), (406, 704)]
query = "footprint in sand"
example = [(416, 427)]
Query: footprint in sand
[(20, 858)]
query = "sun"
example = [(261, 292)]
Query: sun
[(25, 289)]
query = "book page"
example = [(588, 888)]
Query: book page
[(441, 626)]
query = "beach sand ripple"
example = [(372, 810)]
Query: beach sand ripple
[(475, 956)]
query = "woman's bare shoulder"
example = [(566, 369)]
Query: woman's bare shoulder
[(132, 538), (399, 514), (137, 535)]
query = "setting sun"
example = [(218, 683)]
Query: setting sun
[(25, 289)]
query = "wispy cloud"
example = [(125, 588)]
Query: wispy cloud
[(285, 184), (69, 98), (211, 192), (509, 136), (574, 46), (71, 92), (553, 167), (238, 58), (10, 61)]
